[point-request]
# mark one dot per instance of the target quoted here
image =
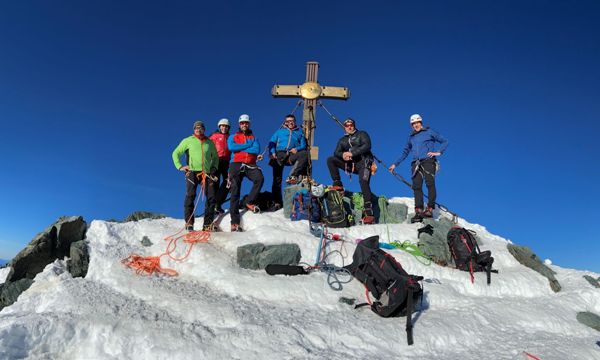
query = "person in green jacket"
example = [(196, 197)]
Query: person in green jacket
[(202, 163)]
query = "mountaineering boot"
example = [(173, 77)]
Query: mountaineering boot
[(189, 227), (255, 209), (418, 216), (428, 213), (337, 185), (210, 228), (219, 211), (236, 228), (368, 218), (291, 180)]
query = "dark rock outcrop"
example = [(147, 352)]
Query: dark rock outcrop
[(49, 245), (247, 255), (526, 257), (594, 282), (9, 292), (392, 213), (80, 259), (62, 239), (258, 256), (434, 242), (589, 319), (146, 241), (140, 215)]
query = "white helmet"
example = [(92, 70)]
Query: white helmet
[(415, 118), (244, 117), (223, 121)]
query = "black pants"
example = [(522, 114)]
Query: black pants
[(237, 171), (426, 169), (362, 168), (299, 164), (222, 190), (191, 185)]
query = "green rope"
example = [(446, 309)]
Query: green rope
[(412, 249)]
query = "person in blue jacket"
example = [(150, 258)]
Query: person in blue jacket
[(287, 147), (422, 145)]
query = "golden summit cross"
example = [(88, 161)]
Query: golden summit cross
[(310, 91)]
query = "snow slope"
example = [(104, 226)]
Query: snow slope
[(3, 274), (215, 310)]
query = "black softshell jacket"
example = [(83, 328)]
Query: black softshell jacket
[(358, 143)]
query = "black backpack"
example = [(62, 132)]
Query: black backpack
[(466, 253), (333, 212), (395, 290)]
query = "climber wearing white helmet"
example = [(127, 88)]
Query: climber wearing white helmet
[(422, 143), (219, 137), (245, 150)]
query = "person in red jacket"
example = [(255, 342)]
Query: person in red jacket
[(245, 150), (219, 137)]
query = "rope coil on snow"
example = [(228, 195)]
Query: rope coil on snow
[(147, 265)]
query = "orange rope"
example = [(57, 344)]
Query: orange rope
[(151, 264), (147, 265)]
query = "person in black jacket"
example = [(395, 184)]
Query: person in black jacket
[(353, 154)]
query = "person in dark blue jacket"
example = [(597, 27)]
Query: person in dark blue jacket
[(287, 147), (422, 145)]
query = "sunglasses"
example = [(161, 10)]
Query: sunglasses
[(349, 125)]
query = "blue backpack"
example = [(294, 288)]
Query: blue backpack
[(301, 202)]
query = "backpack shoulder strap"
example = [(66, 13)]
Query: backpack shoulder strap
[(409, 311)]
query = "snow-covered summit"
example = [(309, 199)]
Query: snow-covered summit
[(216, 310)]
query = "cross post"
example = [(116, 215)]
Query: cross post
[(310, 91)]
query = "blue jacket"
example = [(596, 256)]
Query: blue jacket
[(422, 142), (244, 147), (285, 139)]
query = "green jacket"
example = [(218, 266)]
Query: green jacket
[(202, 154)]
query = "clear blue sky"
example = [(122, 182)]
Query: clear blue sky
[(95, 95)]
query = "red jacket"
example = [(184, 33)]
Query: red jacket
[(245, 148), (220, 141)]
